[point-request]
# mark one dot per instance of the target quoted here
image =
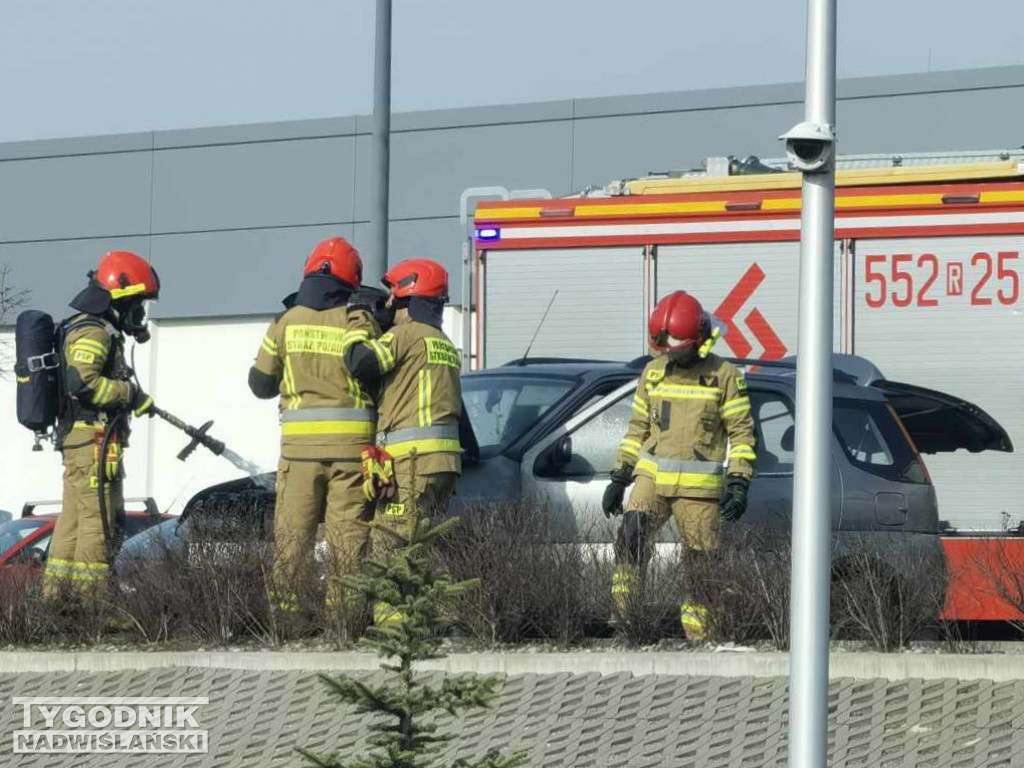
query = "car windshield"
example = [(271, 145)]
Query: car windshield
[(502, 408), (17, 530)]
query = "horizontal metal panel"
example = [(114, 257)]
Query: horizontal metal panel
[(430, 169), (753, 287), (74, 197), (437, 239), (285, 183), (54, 273), (598, 312), (946, 313), (243, 272)]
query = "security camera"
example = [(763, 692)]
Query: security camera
[(810, 147)]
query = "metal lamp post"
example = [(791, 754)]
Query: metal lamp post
[(811, 149)]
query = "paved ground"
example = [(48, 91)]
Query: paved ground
[(257, 718)]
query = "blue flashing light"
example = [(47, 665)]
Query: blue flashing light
[(487, 234)]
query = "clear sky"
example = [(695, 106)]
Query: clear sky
[(72, 67)]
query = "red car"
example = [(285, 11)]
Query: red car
[(25, 542)]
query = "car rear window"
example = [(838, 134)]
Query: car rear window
[(874, 442)]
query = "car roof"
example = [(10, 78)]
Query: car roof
[(547, 366), (851, 374), (54, 515)]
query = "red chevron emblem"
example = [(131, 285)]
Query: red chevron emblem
[(759, 327)]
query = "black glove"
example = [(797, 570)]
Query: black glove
[(611, 502), (141, 403), (735, 502)]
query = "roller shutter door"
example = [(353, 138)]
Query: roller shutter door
[(754, 285), (946, 313), (598, 313)]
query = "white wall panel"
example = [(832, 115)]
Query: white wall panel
[(922, 325)]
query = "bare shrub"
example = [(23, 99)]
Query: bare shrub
[(11, 298), (744, 586), (209, 583), (534, 580), (24, 617), (649, 612), (887, 592)]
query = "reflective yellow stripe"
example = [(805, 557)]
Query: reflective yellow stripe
[(128, 290), (270, 350), (384, 613), (742, 452), (354, 337), (385, 359), (355, 391), (293, 428), (292, 399), (688, 480), (630, 447), (621, 582), (87, 576), (425, 396), (640, 406), (434, 445), (102, 392), (91, 345), (90, 566), (693, 616), (680, 392), (734, 407), (684, 479)]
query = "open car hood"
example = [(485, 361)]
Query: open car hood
[(941, 423)]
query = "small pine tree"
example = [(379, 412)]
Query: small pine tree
[(407, 580)]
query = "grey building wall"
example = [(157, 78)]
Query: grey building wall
[(228, 214)]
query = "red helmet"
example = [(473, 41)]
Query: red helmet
[(127, 275), (337, 258), (678, 323), (418, 277)]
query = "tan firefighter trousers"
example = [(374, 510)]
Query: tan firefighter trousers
[(78, 554), (697, 521), (305, 490)]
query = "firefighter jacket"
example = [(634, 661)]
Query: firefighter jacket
[(325, 413), (96, 376), (420, 405), (686, 423)]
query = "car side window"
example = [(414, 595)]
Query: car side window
[(595, 443), (776, 433), (862, 438)]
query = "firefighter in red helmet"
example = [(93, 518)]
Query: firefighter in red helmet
[(326, 420), (412, 469), (97, 395), (689, 448)]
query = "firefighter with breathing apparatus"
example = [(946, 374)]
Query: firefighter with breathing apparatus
[(96, 392), (327, 418), (412, 469), (691, 437)]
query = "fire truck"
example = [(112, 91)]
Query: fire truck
[(927, 286)]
